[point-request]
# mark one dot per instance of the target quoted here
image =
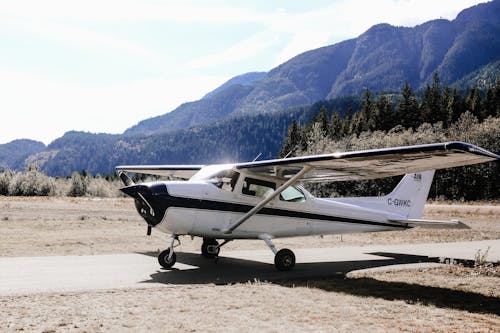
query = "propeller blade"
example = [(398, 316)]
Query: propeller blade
[(125, 178)]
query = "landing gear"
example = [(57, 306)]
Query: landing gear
[(167, 258), (210, 248), (284, 259)]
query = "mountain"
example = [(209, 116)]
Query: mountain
[(247, 79), (382, 58), (482, 78), (236, 139), (250, 113), (213, 106), (15, 152)]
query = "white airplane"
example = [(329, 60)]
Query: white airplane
[(264, 199)]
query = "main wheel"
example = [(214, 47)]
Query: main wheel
[(209, 248), (163, 259), (284, 260)]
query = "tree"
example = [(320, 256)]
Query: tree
[(473, 103), (368, 122), (293, 141), (31, 183), (407, 110), (78, 185), (322, 119), (5, 179), (335, 128), (385, 114), (431, 104)]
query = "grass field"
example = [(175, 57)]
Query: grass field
[(447, 299)]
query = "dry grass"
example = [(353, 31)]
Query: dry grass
[(369, 304), (449, 299), (81, 226)]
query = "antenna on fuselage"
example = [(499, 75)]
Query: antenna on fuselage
[(291, 151), (255, 159)]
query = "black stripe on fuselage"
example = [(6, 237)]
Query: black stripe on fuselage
[(182, 202)]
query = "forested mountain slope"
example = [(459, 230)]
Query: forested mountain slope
[(382, 58), (17, 151)]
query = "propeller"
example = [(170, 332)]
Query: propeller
[(125, 178), (129, 182)]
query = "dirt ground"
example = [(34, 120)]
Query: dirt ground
[(447, 299)]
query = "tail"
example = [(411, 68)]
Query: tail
[(406, 201), (409, 196)]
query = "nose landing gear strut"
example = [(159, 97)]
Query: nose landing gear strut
[(167, 258)]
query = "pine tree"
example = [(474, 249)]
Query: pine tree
[(385, 114), (322, 119), (336, 128), (407, 110), (431, 104), (367, 112), (292, 141), (473, 103)]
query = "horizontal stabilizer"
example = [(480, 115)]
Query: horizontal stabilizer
[(433, 224)]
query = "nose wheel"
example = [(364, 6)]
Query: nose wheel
[(167, 258)]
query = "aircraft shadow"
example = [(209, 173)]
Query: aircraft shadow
[(327, 276), (407, 292), (228, 270)]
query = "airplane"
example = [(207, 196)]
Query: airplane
[(266, 199)]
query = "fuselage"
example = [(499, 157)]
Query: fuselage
[(215, 199)]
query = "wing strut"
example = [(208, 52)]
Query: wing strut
[(261, 204)]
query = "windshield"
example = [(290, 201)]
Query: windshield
[(222, 176)]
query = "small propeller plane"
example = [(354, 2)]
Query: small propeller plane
[(265, 199)]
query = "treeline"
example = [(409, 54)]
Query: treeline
[(237, 139), (438, 114), (33, 182)]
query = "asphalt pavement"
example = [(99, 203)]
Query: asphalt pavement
[(27, 275)]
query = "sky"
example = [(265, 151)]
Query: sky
[(104, 65)]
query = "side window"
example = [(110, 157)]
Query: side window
[(292, 194), (257, 188), (225, 180)]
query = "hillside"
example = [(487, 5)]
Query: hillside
[(247, 79), (250, 113), (382, 58), (235, 139), (15, 152)]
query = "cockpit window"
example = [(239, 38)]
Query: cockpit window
[(257, 187), (292, 194), (225, 180)]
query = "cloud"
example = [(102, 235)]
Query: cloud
[(83, 38), (95, 10), (244, 49), (298, 32)]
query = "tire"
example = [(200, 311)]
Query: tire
[(284, 260), (209, 242), (163, 259)]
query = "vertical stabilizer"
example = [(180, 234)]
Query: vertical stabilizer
[(409, 196)]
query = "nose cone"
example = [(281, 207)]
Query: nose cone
[(151, 200)]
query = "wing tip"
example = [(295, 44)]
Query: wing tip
[(470, 148)]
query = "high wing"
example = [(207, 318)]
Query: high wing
[(178, 171), (371, 164), (356, 165)]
